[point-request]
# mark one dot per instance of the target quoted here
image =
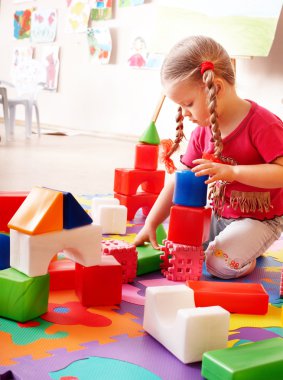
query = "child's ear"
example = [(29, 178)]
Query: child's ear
[(219, 86)]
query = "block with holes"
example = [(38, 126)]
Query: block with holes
[(189, 225), (99, 285), (126, 254), (182, 262), (146, 157)]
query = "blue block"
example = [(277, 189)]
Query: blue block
[(190, 190), (4, 251), (73, 213)]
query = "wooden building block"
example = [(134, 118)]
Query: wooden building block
[(22, 298), (41, 212), (236, 297), (260, 360)]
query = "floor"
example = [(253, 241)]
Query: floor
[(77, 163)]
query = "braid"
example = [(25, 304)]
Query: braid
[(208, 79), (179, 132)]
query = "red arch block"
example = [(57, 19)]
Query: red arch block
[(137, 201), (127, 181)]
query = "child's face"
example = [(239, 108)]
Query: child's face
[(192, 97)]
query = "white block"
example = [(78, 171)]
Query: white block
[(31, 254), (101, 201), (112, 218), (171, 317)]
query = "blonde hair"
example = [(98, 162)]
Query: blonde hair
[(183, 62)]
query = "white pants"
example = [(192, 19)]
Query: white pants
[(234, 244)]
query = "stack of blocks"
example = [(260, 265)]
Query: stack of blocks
[(49, 222), (145, 176), (188, 228)]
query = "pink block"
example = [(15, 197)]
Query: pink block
[(126, 254), (182, 262)]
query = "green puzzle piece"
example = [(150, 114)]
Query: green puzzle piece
[(23, 298)]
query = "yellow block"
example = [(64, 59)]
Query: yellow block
[(41, 212)]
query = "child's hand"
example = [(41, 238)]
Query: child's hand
[(147, 234), (215, 170)]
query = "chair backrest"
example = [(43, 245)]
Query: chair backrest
[(28, 78)]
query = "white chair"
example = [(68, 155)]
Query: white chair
[(28, 78)]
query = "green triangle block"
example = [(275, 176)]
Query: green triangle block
[(150, 135)]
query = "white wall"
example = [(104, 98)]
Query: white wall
[(115, 98)]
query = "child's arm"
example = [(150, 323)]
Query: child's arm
[(159, 212), (266, 176)]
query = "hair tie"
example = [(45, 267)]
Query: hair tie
[(206, 65)]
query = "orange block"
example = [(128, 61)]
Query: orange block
[(41, 212)]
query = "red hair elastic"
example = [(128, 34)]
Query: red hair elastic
[(206, 65)]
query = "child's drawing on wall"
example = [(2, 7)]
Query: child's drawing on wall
[(129, 3), (138, 53), (43, 25), (21, 53), (100, 44), (101, 10), (22, 24), (50, 60), (78, 13)]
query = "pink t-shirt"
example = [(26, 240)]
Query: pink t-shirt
[(258, 139)]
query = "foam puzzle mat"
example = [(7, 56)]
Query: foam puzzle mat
[(71, 342)]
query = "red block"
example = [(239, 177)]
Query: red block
[(146, 157), (235, 297), (10, 201), (189, 225), (137, 201), (99, 285), (127, 181), (62, 274)]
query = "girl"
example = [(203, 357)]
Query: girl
[(238, 144)]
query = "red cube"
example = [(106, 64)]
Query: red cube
[(189, 225), (99, 285)]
